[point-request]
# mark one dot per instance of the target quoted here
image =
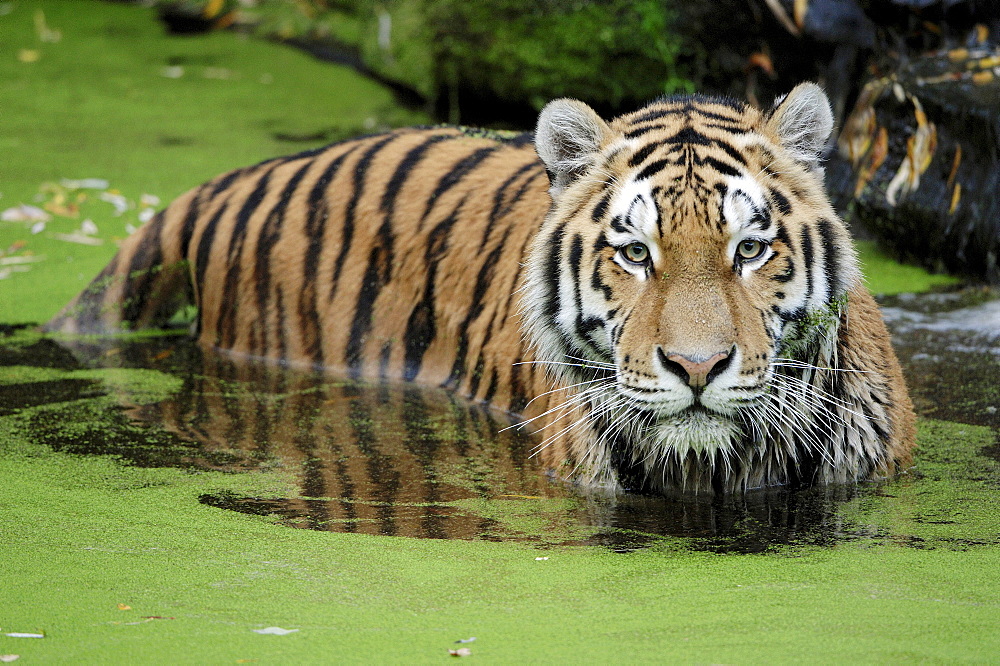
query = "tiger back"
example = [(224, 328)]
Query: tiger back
[(558, 288)]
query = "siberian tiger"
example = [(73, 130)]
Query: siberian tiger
[(669, 297)]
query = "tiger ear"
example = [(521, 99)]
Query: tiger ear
[(803, 121), (568, 135)]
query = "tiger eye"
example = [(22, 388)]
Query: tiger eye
[(751, 249), (637, 253)]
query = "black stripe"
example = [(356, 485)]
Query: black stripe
[(205, 250), (640, 155), (350, 213), (377, 275), (225, 331), (483, 281), (639, 131), (268, 238), (689, 136), (279, 310), (190, 219), (807, 261), (652, 169), (736, 155), (371, 285), (476, 375), (782, 234), (518, 396), (833, 258), (383, 361), (146, 263), (553, 270), (403, 169), (491, 390), (656, 114), (421, 328), (464, 167), (499, 208), (596, 282), (575, 262), (224, 182), (780, 201), (601, 209), (318, 212), (720, 166)]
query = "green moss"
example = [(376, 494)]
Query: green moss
[(951, 499), (84, 534), (884, 275)]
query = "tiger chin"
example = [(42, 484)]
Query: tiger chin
[(668, 298)]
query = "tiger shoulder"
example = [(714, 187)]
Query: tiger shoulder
[(668, 297)]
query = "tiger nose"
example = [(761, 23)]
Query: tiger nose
[(696, 372)]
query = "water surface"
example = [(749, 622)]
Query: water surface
[(406, 461)]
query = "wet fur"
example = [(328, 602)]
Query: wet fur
[(458, 259)]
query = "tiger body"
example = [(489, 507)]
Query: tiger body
[(608, 293)]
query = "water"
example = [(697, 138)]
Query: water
[(405, 461)]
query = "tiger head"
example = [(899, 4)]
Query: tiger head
[(686, 247)]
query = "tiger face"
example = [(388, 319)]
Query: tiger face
[(688, 254)]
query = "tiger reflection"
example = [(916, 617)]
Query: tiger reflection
[(411, 461)]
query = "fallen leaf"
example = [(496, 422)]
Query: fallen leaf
[(460, 652), (26, 259), (124, 607), (78, 238), (219, 73), (276, 631), (25, 213), (44, 32), (57, 207), (117, 200), (85, 184), (174, 72), (28, 55)]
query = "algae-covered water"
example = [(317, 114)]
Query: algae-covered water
[(409, 461), (160, 502), (151, 490)]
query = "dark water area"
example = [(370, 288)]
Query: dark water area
[(400, 460)]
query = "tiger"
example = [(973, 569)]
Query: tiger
[(668, 299)]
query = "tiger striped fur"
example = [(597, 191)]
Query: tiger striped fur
[(668, 297)]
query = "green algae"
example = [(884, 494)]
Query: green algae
[(901, 570), (125, 535), (884, 275), (129, 525)]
